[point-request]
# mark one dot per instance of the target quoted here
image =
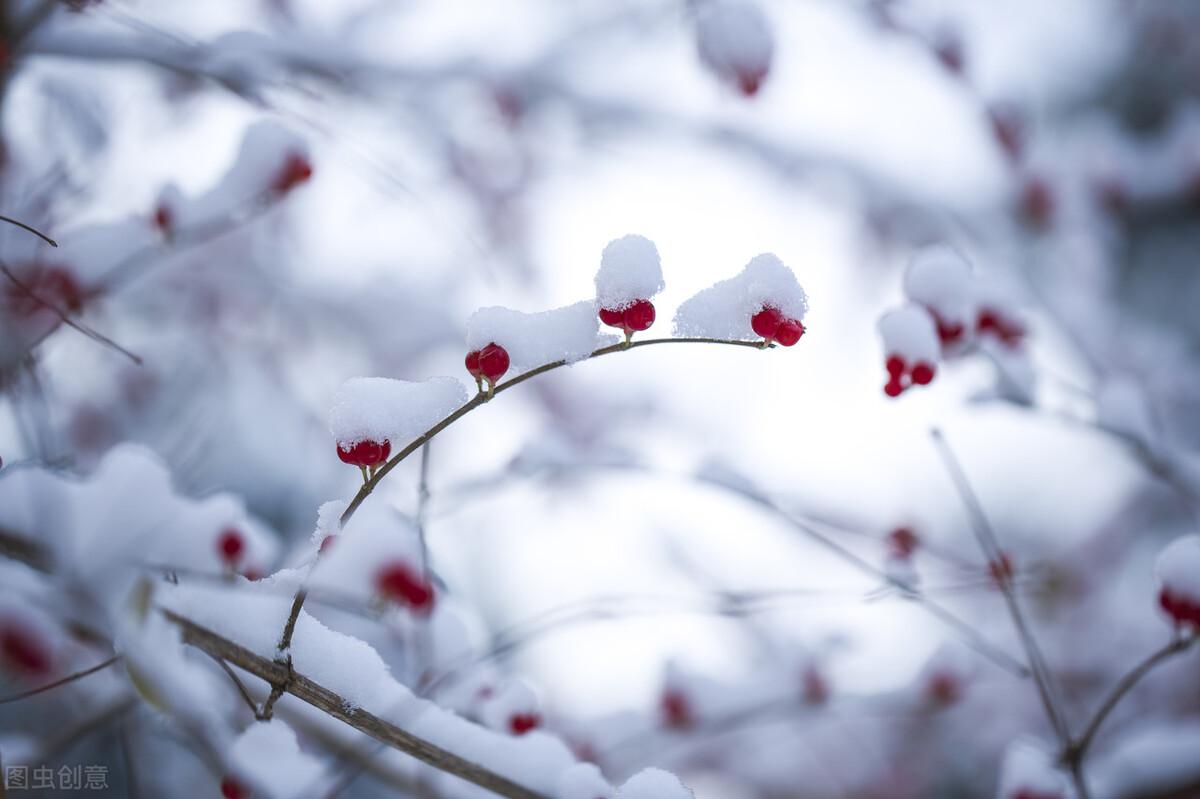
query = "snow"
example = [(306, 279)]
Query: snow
[(1030, 768), (376, 536), (911, 333), (940, 278), (584, 781), (1178, 567), (1151, 760), (653, 783), (734, 40), (268, 757), (724, 310), (329, 520), (515, 697), (630, 270), (265, 149), (570, 334), (1123, 407), (383, 409)]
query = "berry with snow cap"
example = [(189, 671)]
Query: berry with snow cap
[(365, 453), (1178, 570), (630, 274), (775, 328), (296, 169), (911, 342), (735, 43), (676, 709), (232, 789)]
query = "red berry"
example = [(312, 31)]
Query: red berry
[(902, 542), (948, 332), (943, 688), (894, 387), (895, 366), (1037, 202), (400, 582), (22, 650), (493, 361), (749, 81), (232, 789), (296, 169), (472, 362), (639, 316), (327, 542), (365, 453), (789, 332), (766, 322), (1180, 609), (922, 373), (816, 689), (676, 710), (231, 545), (1001, 569), (164, 218), (521, 723), (612, 318)]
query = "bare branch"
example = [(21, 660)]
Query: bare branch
[(79, 675)]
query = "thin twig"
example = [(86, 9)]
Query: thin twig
[(64, 318), (30, 228), (241, 686), (79, 675), (1077, 751), (990, 546)]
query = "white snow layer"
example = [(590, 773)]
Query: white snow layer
[(911, 333), (630, 270), (734, 39), (1178, 567), (382, 409), (724, 309), (569, 334)]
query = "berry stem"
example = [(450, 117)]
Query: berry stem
[(628, 338), (366, 477)]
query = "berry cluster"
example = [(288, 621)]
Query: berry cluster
[(487, 365), (399, 582), (775, 328), (634, 318), (365, 454), (903, 375)]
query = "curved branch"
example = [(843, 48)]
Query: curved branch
[(289, 628), (1078, 750), (79, 675)]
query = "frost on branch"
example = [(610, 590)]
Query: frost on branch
[(1028, 772), (1178, 570), (266, 761), (570, 334), (735, 43), (380, 409), (727, 310)]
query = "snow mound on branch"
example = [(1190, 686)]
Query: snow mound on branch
[(1178, 567), (724, 309), (735, 42), (630, 270), (375, 537), (383, 409), (255, 172), (941, 280), (102, 531), (514, 698), (584, 781), (911, 333), (654, 783), (570, 334), (268, 757), (1029, 769)]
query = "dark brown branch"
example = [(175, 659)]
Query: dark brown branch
[(325, 700)]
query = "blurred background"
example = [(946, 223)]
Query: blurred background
[(634, 536)]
